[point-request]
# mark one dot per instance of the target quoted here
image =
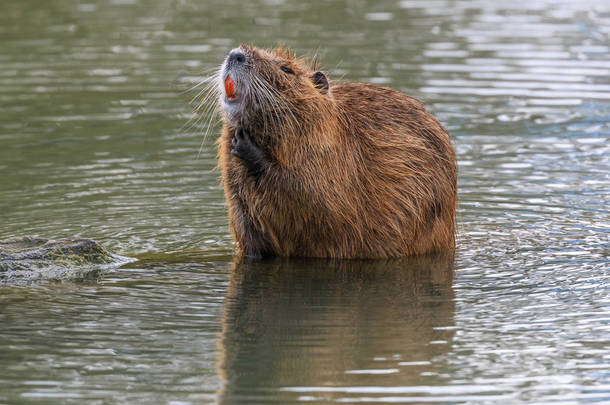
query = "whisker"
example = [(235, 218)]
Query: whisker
[(206, 106)]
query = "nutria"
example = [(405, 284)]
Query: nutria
[(341, 171)]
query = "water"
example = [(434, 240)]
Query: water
[(93, 101)]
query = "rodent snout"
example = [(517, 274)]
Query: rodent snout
[(236, 57)]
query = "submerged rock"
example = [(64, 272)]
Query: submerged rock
[(38, 258)]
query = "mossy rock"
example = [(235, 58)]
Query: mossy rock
[(38, 258)]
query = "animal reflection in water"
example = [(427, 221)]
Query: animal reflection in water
[(313, 323)]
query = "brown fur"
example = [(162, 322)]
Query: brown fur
[(358, 171)]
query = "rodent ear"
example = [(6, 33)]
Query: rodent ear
[(320, 81)]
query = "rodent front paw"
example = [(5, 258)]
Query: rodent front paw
[(242, 144), (245, 149)]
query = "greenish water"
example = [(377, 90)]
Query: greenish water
[(93, 143)]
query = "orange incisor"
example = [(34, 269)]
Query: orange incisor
[(230, 87)]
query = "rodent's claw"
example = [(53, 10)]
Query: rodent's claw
[(234, 141), (240, 134), (246, 150), (241, 143)]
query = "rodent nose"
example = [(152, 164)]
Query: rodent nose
[(237, 57)]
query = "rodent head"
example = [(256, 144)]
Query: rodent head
[(266, 89)]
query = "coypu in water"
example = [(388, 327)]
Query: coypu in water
[(343, 171)]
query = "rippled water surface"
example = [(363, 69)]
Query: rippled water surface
[(94, 142)]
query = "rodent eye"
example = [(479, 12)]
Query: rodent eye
[(286, 69)]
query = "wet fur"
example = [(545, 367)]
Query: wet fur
[(352, 171)]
